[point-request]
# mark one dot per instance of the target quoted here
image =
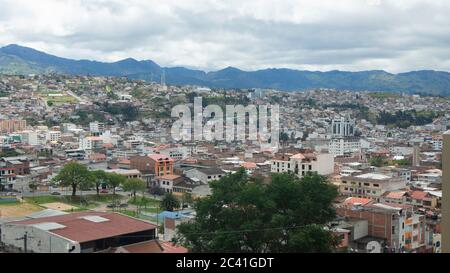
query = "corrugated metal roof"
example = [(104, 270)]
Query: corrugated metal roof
[(48, 226)]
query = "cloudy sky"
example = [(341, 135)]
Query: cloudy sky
[(394, 35)]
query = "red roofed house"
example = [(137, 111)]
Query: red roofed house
[(423, 199), (84, 232)]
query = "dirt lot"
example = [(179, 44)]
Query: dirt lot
[(18, 210), (58, 206)]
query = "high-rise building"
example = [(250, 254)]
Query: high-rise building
[(343, 127), (12, 125)]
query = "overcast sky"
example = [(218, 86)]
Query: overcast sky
[(393, 35)]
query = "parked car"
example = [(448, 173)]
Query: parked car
[(104, 191), (119, 189), (56, 193)]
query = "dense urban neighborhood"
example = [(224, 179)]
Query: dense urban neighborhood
[(89, 164)]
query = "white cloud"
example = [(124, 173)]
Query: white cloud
[(394, 35)]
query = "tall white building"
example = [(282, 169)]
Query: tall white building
[(96, 127), (30, 137), (343, 127), (53, 136), (344, 145), (301, 164)]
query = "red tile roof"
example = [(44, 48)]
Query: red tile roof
[(153, 246), (81, 230), (160, 157), (396, 195), (419, 195), (355, 200)]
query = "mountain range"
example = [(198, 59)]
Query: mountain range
[(19, 60)]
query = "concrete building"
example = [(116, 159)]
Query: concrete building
[(90, 143), (129, 174), (7, 178), (344, 145), (30, 137), (205, 175), (343, 127), (53, 136), (370, 185), (96, 127), (85, 232), (156, 164), (300, 164), (402, 230), (12, 125), (167, 182)]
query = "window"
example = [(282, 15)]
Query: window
[(376, 185), (209, 177), (310, 167), (367, 184), (393, 230)]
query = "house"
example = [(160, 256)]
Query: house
[(167, 182), (155, 164), (371, 185), (126, 173), (303, 163), (398, 225), (205, 175), (83, 232)]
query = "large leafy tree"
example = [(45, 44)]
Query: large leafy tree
[(245, 215), (170, 202), (114, 180), (99, 178), (134, 185), (74, 175)]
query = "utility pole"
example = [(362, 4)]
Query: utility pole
[(25, 241)]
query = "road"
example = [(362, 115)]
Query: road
[(69, 192)]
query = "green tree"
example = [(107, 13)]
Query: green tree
[(99, 178), (170, 202), (114, 180), (74, 175), (134, 185), (377, 161), (186, 199), (244, 215), (33, 186)]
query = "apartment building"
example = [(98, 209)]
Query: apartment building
[(90, 143), (303, 163), (402, 230), (12, 125), (344, 145), (155, 164), (370, 185)]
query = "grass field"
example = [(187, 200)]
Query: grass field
[(61, 100), (77, 203), (18, 209)]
